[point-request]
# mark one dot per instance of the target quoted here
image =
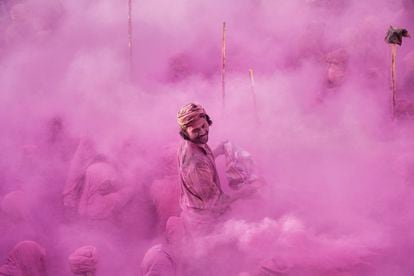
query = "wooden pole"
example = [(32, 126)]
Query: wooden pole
[(130, 36), (223, 67), (393, 77), (251, 74)]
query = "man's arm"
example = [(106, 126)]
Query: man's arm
[(219, 150), (200, 181)]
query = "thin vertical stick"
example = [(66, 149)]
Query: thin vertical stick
[(223, 66), (251, 74), (130, 36), (393, 76)]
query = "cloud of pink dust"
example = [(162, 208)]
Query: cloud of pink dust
[(317, 122)]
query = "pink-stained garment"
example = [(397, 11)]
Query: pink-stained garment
[(84, 156), (164, 259), (337, 61), (200, 185), (271, 267), (101, 195), (158, 262), (83, 261), (29, 18), (27, 258), (175, 233), (239, 166), (164, 191), (203, 202), (165, 194)]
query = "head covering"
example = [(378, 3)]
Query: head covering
[(83, 261), (158, 262), (85, 155), (15, 206), (25, 259), (99, 197), (189, 113)]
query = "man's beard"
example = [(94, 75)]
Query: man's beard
[(201, 139)]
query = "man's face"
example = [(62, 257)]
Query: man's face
[(198, 131)]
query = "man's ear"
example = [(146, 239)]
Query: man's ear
[(184, 134), (209, 121)]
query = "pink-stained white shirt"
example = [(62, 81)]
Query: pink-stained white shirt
[(200, 185)]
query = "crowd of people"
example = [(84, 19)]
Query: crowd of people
[(104, 195), (68, 207)]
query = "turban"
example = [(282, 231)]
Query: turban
[(15, 206), (85, 155), (83, 260), (100, 196), (158, 261), (189, 113), (25, 259)]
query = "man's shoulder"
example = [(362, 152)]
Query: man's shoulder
[(188, 148), (192, 156)]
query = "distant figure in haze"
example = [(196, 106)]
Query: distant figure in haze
[(57, 142), (166, 258), (336, 72), (85, 155), (32, 19), (27, 258), (83, 261), (14, 205), (56, 147), (16, 219), (94, 188), (158, 262), (337, 62), (164, 191)]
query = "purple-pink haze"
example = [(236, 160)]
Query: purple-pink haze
[(339, 194)]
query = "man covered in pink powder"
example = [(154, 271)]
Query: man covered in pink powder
[(202, 199)]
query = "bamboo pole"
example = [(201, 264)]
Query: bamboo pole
[(223, 67), (251, 74), (393, 77), (130, 36)]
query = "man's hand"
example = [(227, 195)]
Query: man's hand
[(219, 150), (248, 189), (245, 192)]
